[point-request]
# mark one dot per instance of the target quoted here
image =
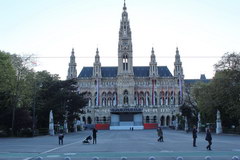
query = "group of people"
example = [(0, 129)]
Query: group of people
[(159, 132), (207, 138), (93, 137), (194, 134)]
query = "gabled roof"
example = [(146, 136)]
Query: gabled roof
[(139, 71), (202, 79), (192, 81), (143, 71)]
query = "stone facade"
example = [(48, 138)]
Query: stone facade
[(150, 92)]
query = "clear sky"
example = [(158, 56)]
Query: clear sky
[(203, 30)]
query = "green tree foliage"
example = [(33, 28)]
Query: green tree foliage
[(223, 92), (15, 90), (189, 108), (26, 97), (60, 96)]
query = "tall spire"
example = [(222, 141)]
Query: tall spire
[(177, 52), (125, 65), (153, 65), (152, 51), (97, 57), (97, 65), (72, 71), (178, 70), (124, 6)]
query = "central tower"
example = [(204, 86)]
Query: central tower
[(125, 65), (125, 75)]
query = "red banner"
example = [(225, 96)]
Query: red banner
[(150, 125), (102, 126)]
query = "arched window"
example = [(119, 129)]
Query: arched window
[(125, 62), (104, 119), (104, 100), (84, 120), (172, 97), (89, 97), (97, 119), (89, 120), (114, 99), (125, 97), (173, 121), (109, 102), (179, 98), (96, 100), (162, 121), (154, 119), (166, 97), (162, 102), (89, 102), (168, 120), (141, 99), (136, 98), (147, 119), (147, 99), (155, 98)]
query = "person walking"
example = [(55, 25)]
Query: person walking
[(194, 134), (60, 138), (209, 139), (160, 134), (94, 134)]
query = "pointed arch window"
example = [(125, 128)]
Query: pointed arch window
[(125, 97), (125, 62)]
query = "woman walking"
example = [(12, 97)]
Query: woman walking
[(160, 134), (209, 139)]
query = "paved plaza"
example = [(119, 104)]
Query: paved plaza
[(112, 145)]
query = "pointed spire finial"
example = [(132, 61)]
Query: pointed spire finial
[(177, 50), (97, 51), (72, 50), (124, 6), (152, 50)]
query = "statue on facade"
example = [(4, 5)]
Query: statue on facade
[(199, 123), (65, 126)]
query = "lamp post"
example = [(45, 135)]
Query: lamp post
[(34, 107)]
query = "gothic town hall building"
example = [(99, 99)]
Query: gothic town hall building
[(125, 96)]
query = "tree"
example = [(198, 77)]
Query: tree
[(16, 79), (61, 97), (223, 92)]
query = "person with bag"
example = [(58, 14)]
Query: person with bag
[(60, 138), (209, 139)]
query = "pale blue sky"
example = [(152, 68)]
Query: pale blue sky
[(202, 29)]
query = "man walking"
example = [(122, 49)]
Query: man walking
[(209, 139), (94, 134), (160, 134), (194, 134)]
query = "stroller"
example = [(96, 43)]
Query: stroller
[(86, 141)]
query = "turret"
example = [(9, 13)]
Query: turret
[(178, 70), (125, 64), (153, 71), (97, 65), (72, 71)]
